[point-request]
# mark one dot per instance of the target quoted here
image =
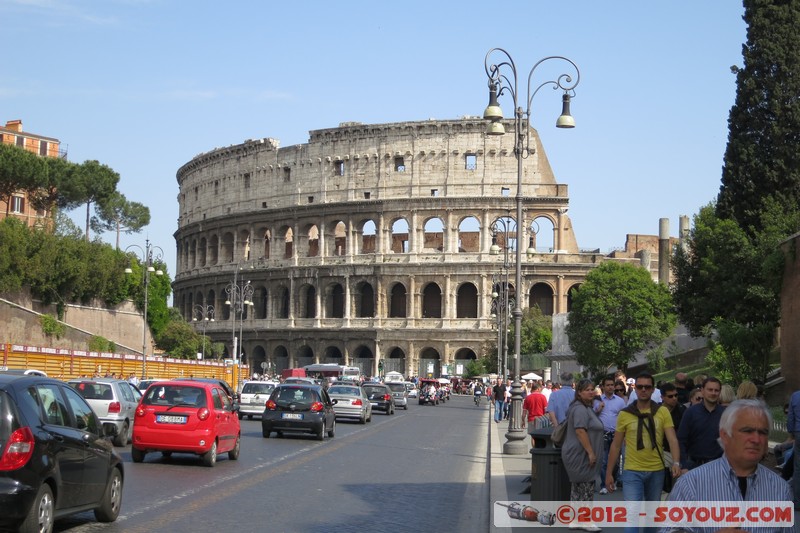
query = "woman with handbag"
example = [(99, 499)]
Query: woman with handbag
[(583, 446)]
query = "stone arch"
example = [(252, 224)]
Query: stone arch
[(288, 242), (261, 249), (307, 301), (432, 301), (398, 301), (433, 235), (281, 303), (304, 355), (368, 242), (364, 300), (309, 248), (334, 301), (193, 254), (467, 301), (336, 241), (430, 363), (364, 358), (570, 294), (213, 250), (227, 247), (257, 356), (260, 302), (399, 242), (469, 235), (504, 234), (243, 241), (395, 361), (332, 354), (542, 234), (541, 296), (201, 252), (280, 355)]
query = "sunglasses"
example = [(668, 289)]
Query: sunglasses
[(697, 399), (670, 396), (643, 387)]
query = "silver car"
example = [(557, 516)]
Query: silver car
[(113, 401), (400, 393), (352, 402), (254, 397)]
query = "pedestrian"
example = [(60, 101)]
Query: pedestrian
[(559, 401), (607, 408), (642, 426), (682, 386), (582, 448), (548, 388), (699, 429), (533, 406), (621, 390), (736, 475), (498, 396), (747, 390), (669, 392), (507, 400), (726, 395), (695, 397), (793, 427)]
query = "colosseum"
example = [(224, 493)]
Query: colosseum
[(371, 243)]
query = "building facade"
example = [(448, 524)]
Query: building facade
[(18, 205), (371, 243)]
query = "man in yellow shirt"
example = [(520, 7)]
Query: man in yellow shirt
[(642, 426)]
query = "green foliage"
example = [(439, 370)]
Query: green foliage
[(762, 160), (482, 366), (617, 312), (51, 327), (179, 339), (101, 344), (537, 332), (117, 214)]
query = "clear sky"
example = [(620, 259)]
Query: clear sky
[(145, 85)]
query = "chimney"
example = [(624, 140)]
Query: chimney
[(14, 125)]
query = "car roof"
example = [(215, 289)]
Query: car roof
[(96, 380), (185, 382), (297, 385)]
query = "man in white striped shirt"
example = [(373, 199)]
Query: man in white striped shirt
[(738, 474)]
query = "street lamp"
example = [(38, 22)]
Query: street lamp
[(240, 297), (500, 292), (204, 313), (147, 261), (499, 83)]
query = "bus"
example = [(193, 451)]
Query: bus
[(333, 370)]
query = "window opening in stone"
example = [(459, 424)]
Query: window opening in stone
[(432, 301), (434, 192), (364, 301), (467, 301), (338, 168), (469, 235), (433, 236), (397, 301), (17, 204), (311, 199), (505, 192), (336, 302), (366, 195), (340, 239), (399, 164), (287, 174), (288, 239), (470, 161), (42, 147), (246, 180), (368, 238), (541, 296), (313, 241), (400, 237)]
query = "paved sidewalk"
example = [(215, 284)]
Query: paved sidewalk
[(506, 475)]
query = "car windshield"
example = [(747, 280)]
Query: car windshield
[(175, 395), (374, 390), (396, 387), (253, 387), (94, 391), (294, 395), (344, 391)]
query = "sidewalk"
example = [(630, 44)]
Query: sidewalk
[(506, 475)]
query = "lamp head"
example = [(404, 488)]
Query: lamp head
[(565, 120), (128, 270), (496, 128), (493, 111)]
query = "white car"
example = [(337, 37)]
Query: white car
[(413, 392), (254, 398)]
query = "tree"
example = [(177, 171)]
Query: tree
[(762, 159), (117, 214), (617, 312), (91, 183), (537, 331), (20, 170)]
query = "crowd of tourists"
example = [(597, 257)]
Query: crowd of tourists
[(689, 439)]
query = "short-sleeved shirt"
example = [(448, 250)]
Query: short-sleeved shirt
[(535, 404), (648, 459), (559, 402)]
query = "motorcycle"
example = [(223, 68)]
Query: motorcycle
[(477, 397)]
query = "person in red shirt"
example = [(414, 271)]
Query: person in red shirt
[(533, 407)]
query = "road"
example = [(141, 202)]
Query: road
[(417, 469)]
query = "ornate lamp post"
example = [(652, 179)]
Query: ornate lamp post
[(240, 297), (205, 314), (499, 83), (500, 292), (147, 259)]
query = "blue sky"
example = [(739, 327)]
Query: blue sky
[(145, 85)]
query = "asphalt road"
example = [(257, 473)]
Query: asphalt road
[(424, 468)]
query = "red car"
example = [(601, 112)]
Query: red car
[(186, 417)]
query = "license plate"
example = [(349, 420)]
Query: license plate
[(256, 401), (292, 416), (170, 419), (374, 404)]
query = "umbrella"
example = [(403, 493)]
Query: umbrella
[(531, 375)]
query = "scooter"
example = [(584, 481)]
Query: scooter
[(477, 397)]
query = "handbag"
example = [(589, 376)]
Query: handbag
[(559, 435)]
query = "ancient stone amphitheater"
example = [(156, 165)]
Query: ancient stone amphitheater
[(371, 243)]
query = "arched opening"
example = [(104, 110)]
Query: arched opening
[(281, 309), (364, 299), (368, 238), (541, 296), (304, 356), (364, 359), (313, 241), (227, 248), (307, 302), (202, 252), (570, 294), (397, 301), (332, 354), (431, 301), (213, 250), (395, 362), (334, 301), (467, 301), (542, 235), (339, 239), (433, 236), (260, 302), (281, 357), (400, 236), (430, 365), (469, 235), (288, 243)]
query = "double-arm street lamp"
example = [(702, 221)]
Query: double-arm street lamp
[(204, 314), (147, 260), (240, 297), (500, 293), (503, 79)]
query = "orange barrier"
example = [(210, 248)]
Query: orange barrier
[(69, 364)]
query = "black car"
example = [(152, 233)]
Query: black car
[(297, 407), (55, 456), (380, 396)]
